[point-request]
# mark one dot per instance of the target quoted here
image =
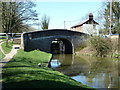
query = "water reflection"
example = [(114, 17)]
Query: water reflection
[(55, 63), (92, 71)]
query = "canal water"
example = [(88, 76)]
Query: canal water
[(92, 71)]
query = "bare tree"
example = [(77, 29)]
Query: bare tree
[(15, 15), (45, 22)]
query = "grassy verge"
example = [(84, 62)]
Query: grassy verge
[(22, 72), (1, 55), (8, 48), (3, 40)]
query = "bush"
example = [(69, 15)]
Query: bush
[(102, 45)]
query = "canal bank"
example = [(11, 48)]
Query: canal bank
[(23, 72), (90, 51)]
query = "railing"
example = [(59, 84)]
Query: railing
[(10, 35)]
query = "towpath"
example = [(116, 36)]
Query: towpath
[(9, 56)]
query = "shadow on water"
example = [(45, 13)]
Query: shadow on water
[(92, 71)]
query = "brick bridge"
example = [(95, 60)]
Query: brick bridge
[(53, 41)]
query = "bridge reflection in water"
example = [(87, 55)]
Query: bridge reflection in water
[(91, 71)]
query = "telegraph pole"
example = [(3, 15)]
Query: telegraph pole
[(64, 24), (110, 30)]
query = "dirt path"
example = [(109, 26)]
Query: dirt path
[(9, 56), (1, 48)]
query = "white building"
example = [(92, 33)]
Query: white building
[(88, 26)]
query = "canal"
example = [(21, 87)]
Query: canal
[(92, 71)]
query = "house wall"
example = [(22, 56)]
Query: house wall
[(91, 29), (79, 28)]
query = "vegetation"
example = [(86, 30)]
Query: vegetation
[(1, 55), (102, 46), (15, 14), (116, 55), (45, 22), (115, 17), (104, 18), (8, 48), (0, 16), (23, 72)]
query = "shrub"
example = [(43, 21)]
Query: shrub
[(102, 45)]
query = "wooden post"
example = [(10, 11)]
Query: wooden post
[(7, 39)]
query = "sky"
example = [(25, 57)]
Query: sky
[(70, 12)]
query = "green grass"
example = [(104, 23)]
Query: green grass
[(116, 55), (3, 39), (1, 55), (8, 48), (22, 72)]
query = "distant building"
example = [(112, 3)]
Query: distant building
[(88, 26)]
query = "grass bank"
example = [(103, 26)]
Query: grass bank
[(23, 72), (1, 55), (8, 48), (101, 47)]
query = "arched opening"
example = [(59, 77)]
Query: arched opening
[(59, 46)]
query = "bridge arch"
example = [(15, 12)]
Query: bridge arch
[(43, 40), (61, 45)]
